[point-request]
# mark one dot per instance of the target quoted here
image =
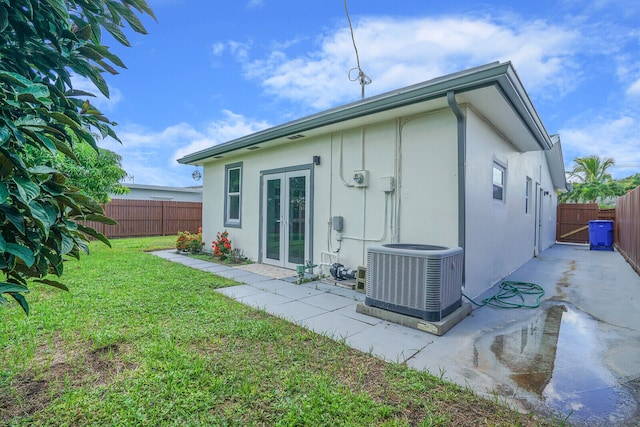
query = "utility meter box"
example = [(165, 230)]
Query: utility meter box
[(361, 178), (387, 184), (337, 223)]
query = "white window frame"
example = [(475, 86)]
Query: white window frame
[(502, 169), (228, 195)]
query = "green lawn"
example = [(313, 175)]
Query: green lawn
[(141, 341)]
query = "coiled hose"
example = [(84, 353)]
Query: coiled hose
[(512, 295)]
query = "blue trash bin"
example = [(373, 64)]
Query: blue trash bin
[(601, 235)]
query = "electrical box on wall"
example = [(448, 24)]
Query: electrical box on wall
[(361, 178), (337, 223), (387, 184)]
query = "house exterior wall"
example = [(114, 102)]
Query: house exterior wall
[(501, 236), (420, 153), (426, 203), (429, 180)]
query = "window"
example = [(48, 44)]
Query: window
[(527, 197), (498, 181), (233, 195)]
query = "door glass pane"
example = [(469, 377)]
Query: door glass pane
[(273, 219), (297, 225)]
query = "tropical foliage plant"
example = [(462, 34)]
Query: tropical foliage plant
[(97, 172), (593, 182), (43, 46)]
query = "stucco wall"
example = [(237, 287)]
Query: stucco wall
[(500, 236), (420, 153)]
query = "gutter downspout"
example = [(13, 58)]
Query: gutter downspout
[(462, 160)]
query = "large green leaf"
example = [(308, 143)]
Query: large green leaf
[(101, 219), (5, 134), (14, 78), (4, 21), (14, 216), (21, 300), (43, 170), (41, 217), (60, 7), (66, 244), (22, 252), (63, 118), (53, 283), (4, 192), (35, 93), (27, 188), (12, 287), (129, 16), (95, 234)]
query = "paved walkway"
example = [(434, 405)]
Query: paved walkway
[(577, 353)]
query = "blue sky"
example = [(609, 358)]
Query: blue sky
[(211, 71)]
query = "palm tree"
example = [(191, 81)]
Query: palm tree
[(592, 169), (594, 182)]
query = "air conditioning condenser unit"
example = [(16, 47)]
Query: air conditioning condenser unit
[(423, 281)]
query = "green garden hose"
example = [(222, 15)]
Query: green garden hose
[(509, 291)]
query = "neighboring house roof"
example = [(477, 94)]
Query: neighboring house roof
[(493, 90), (195, 189), (157, 192)]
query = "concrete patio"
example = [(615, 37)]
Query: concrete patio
[(575, 356)]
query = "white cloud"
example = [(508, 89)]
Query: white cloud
[(634, 89), (255, 4), (217, 48), (399, 52), (150, 156), (615, 137)]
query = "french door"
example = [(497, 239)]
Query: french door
[(285, 217)]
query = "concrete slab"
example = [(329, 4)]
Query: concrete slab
[(252, 278), (391, 342), (351, 312), (233, 274), (295, 311), (335, 325), (238, 292), (297, 292), (328, 301), (272, 285), (264, 300), (215, 268)]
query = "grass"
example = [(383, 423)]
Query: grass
[(142, 341)]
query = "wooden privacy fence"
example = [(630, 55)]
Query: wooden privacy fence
[(573, 221), (628, 227), (138, 218)]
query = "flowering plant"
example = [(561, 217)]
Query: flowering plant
[(187, 242), (222, 245)]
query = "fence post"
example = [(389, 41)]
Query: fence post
[(164, 225)]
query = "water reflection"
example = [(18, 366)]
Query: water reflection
[(558, 357)]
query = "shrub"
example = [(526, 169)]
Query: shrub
[(187, 242), (222, 245)]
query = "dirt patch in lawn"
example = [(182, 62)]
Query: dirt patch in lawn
[(57, 368)]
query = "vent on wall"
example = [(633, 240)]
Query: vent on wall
[(423, 281)]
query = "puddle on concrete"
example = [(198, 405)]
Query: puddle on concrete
[(557, 358)]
